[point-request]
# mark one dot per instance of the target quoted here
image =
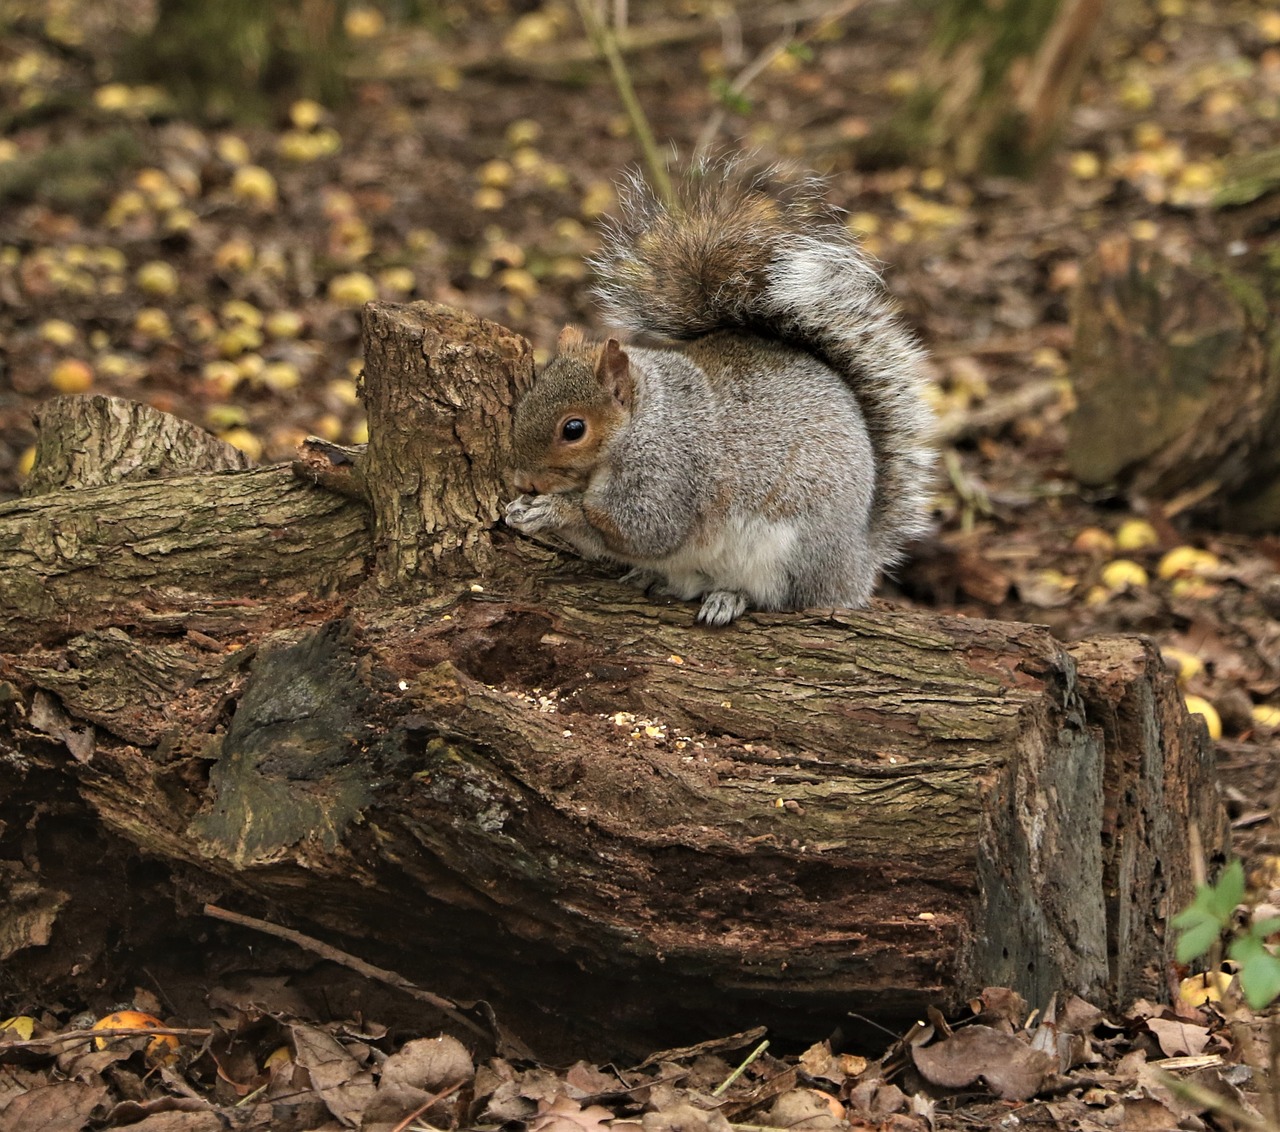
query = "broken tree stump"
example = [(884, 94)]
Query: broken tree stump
[(1177, 379), (498, 771)]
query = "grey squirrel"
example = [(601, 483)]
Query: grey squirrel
[(778, 453)]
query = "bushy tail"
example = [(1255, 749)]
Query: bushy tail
[(764, 253)]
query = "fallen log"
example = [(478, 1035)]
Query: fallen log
[(505, 775)]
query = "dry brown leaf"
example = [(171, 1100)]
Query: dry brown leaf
[(1010, 1068), (64, 1105), (684, 1117), (564, 1114), (1146, 1114), (345, 1088), (1177, 1038), (587, 1081), (817, 1061), (807, 1110), (429, 1064), (179, 1121), (1006, 1004)]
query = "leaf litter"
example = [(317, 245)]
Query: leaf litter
[(257, 1067)]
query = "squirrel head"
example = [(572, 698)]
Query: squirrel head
[(578, 403)]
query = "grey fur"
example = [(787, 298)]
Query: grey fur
[(779, 457)]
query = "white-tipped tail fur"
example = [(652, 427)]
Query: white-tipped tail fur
[(763, 252)]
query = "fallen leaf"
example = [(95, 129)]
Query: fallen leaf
[(67, 1104), (1177, 1038), (345, 1088), (430, 1064), (1010, 1068)]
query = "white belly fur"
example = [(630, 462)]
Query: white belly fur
[(748, 554)]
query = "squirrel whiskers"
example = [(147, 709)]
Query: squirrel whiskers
[(778, 454)]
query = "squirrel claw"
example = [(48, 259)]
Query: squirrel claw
[(528, 513), (641, 578), (722, 606)]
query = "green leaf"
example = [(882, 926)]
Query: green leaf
[(1229, 891), (1210, 913), (1259, 971), (1264, 928), (1195, 941)]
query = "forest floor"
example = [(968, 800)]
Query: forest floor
[(217, 272)]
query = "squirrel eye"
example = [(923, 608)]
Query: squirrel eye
[(575, 428)]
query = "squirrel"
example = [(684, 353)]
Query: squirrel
[(775, 452)]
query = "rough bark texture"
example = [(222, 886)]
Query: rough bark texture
[(440, 387), (1178, 383), (537, 786), (91, 441), (123, 553)]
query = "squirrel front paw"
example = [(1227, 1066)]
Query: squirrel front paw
[(531, 514), (722, 606)]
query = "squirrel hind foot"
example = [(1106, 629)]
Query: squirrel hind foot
[(720, 607), (642, 579)]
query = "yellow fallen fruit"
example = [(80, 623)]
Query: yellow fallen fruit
[(58, 332), (157, 278), (1187, 665), (162, 1048), (22, 1024), (152, 322), (1136, 534), (1209, 986), (1123, 574), (1264, 715), (255, 186), (353, 289), (306, 113), (1198, 705), (237, 310), (284, 324), (1094, 540), (1187, 561), (71, 375), (243, 439)]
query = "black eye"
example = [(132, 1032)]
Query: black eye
[(575, 428)]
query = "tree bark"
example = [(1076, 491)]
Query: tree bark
[(1178, 384), (523, 781)]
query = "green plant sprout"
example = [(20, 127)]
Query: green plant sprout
[(1204, 921)]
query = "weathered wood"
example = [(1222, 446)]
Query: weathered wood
[(1177, 383), (96, 440), (439, 388), (108, 555), (533, 784)]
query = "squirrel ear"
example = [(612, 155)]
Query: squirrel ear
[(613, 372)]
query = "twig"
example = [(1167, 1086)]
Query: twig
[(998, 411), (760, 64), (745, 78), (720, 1089), (972, 495), (368, 970), (607, 45), (417, 1112), (116, 1032)]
